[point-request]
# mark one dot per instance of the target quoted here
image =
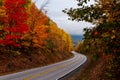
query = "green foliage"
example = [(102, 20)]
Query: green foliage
[(103, 40)]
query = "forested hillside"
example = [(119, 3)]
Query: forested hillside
[(28, 38), (102, 42)]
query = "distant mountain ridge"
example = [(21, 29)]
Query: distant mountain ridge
[(76, 38)]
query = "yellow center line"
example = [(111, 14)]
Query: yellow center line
[(49, 71)]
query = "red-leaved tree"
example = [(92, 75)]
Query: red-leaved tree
[(16, 22)]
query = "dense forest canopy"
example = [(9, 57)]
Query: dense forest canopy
[(24, 26), (28, 34)]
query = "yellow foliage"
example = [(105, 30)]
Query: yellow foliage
[(61, 41), (26, 44), (40, 34), (2, 11)]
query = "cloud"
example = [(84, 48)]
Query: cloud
[(54, 9), (73, 27)]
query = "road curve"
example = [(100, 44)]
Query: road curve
[(50, 72)]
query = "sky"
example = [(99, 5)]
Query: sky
[(54, 11)]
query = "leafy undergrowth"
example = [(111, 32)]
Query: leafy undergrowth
[(91, 70), (22, 62)]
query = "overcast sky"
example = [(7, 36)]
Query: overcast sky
[(54, 11)]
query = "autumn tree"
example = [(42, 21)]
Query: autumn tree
[(104, 38), (2, 13), (36, 21), (58, 40), (15, 23), (28, 37)]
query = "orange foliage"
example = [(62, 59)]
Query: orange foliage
[(58, 40), (40, 35), (38, 29)]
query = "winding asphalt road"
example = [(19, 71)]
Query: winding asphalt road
[(50, 72)]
